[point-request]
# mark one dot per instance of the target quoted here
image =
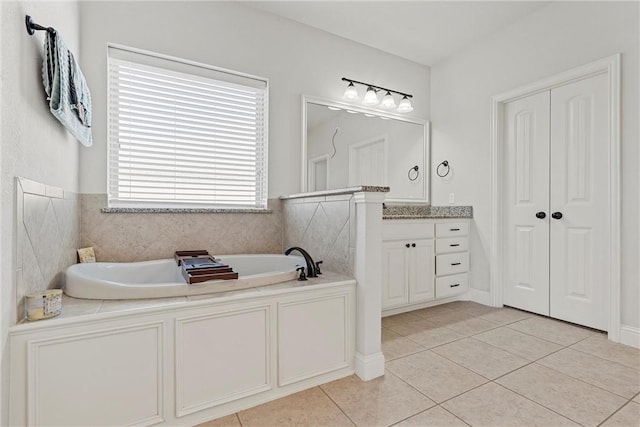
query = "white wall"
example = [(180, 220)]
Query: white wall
[(33, 144), (553, 39), (295, 58)]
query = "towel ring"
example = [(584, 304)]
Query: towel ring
[(417, 173), (444, 164)]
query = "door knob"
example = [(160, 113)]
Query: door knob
[(556, 215), (541, 215)]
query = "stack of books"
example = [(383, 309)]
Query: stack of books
[(198, 266)]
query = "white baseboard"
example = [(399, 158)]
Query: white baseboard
[(369, 367), (630, 335), (481, 297)]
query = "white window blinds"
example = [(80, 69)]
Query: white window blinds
[(183, 135)]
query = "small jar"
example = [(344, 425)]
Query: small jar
[(44, 305)]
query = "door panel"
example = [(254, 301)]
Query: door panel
[(526, 190), (579, 240), (395, 290), (421, 286)]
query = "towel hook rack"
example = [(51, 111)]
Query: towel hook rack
[(32, 26)]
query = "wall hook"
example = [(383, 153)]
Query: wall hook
[(32, 26)]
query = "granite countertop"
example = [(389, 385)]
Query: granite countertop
[(426, 212), (73, 308)]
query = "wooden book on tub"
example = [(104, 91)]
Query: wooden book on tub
[(199, 266)]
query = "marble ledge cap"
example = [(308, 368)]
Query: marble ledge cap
[(339, 191)]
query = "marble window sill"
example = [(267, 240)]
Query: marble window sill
[(184, 210)]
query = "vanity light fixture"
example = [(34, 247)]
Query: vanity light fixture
[(405, 106), (351, 92), (371, 96), (388, 102)]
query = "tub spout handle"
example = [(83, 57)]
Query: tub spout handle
[(302, 275), (318, 267)]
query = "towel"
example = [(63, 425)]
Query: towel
[(67, 91)]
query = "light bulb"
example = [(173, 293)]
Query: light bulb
[(405, 105), (388, 102), (371, 97), (351, 92)]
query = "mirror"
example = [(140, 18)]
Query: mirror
[(346, 146)]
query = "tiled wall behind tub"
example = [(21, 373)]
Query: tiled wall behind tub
[(324, 227), (130, 237), (47, 236)]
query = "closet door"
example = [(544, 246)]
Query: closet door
[(579, 193), (526, 186)]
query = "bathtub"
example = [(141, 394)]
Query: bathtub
[(162, 278)]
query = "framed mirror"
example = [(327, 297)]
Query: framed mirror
[(345, 146)]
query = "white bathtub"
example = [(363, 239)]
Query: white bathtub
[(162, 278)]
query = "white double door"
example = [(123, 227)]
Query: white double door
[(556, 192)]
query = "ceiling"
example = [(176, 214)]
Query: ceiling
[(426, 32)]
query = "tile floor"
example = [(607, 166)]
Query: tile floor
[(463, 363)]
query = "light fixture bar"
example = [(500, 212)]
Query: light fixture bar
[(344, 79)]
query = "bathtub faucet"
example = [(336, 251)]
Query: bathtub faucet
[(311, 266)]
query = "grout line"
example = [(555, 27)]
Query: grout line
[(237, 414), (337, 405)]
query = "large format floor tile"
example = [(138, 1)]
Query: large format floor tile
[(472, 326), (307, 408), (379, 402), (493, 405), (482, 358), (599, 345), (504, 316), (436, 377), (551, 330), (625, 417), (613, 377), (228, 421), (395, 345), (518, 343), (576, 400), (436, 416), (428, 336)]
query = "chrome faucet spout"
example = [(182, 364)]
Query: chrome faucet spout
[(311, 266)]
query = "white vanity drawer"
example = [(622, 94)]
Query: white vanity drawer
[(452, 229), (454, 244), (452, 285), (452, 263), (398, 230)]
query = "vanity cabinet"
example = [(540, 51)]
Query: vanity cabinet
[(423, 260), (408, 269)]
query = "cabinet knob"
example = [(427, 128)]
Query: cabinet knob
[(408, 245), (413, 245), (556, 215), (541, 215)]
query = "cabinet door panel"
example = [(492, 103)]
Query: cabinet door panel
[(421, 271), (395, 290)]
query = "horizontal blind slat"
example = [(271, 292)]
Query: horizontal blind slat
[(184, 139)]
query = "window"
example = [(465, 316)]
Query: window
[(184, 135)]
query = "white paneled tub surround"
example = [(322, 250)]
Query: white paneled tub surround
[(162, 278), (182, 364)]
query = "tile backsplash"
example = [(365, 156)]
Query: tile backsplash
[(47, 236), (130, 237), (324, 227)]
